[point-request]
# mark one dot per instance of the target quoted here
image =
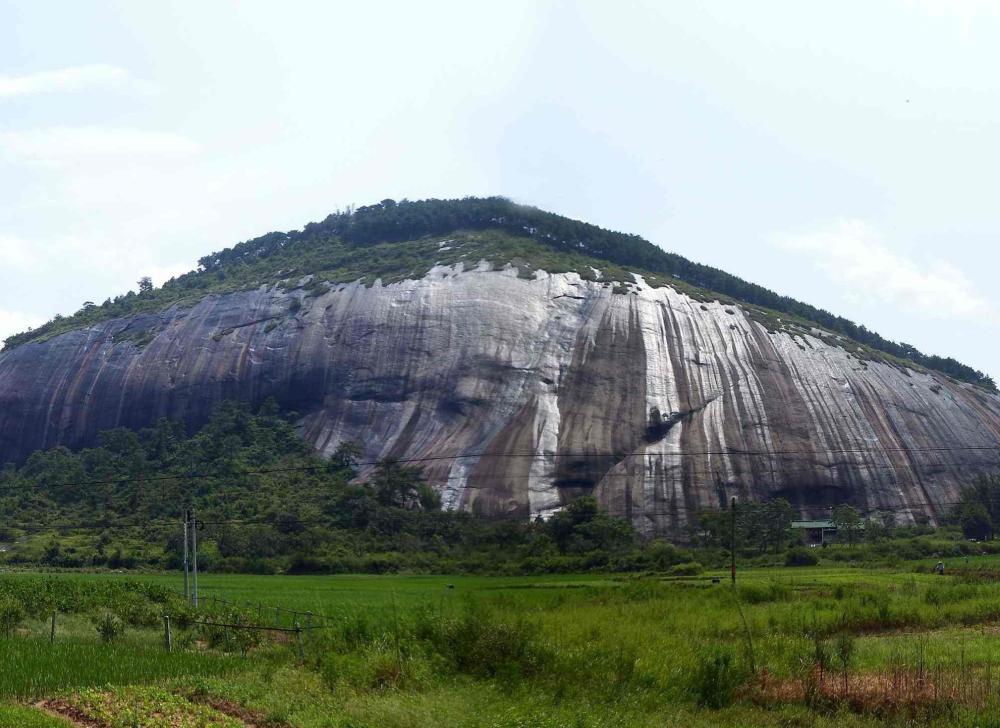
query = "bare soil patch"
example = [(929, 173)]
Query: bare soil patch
[(252, 718), (891, 692), (62, 709)]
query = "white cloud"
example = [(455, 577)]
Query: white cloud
[(163, 273), (14, 322), (101, 268), (59, 145), (16, 253), (74, 78), (854, 256), (107, 266), (119, 264)]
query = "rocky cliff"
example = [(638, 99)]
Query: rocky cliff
[(518, 392)]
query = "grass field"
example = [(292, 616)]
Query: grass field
[(789, 646)]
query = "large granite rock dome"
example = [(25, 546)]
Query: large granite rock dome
[(549, 386)]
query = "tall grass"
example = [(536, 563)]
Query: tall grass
[(633, 651), (34, 668), (21, 716)]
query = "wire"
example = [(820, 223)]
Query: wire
[(247, 626), (260, 606), (775, 470), (163, 523), (571, 455)]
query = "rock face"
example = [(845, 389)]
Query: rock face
[(519, 394)]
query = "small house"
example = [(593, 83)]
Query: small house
[(818, 532)]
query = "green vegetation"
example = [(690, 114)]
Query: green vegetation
[(13, 715), (823, 645), (393, 241), (150, 707), (267, 504), (34, 667), (580, 622), (978, 510)]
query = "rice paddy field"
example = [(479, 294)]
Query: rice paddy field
[(786, 647)]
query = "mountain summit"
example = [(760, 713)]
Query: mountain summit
[(524, 359)]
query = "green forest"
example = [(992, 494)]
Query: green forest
[(387, 241), (265, 503)]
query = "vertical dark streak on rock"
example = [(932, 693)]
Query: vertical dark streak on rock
[(602, 402), (497, 485), (789, 425)]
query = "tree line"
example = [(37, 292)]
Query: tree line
[(391, 221), (270, 504)]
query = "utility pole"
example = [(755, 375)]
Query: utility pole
[(168, 639), (732, 540), (187, 515), (194, 562)]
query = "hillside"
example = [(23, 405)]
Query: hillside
[(523, 360), (386, 241)]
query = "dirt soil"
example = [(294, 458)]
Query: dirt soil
[(62, 709)]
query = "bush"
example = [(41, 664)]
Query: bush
[(801, 557), (109, 627), (183, 615), (241, 637), (663, 554), (757, 593), (11, 616), (483, 645), (136, 611), (690, 568), (715, 679)]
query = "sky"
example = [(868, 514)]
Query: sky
[(842, 153)]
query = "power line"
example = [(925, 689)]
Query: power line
[(476, 482), (160, 523), (774, 470), (772, 474), (98, 525), (173, 522), (555, 456)]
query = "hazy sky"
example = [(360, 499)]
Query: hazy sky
[(843, 153)]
